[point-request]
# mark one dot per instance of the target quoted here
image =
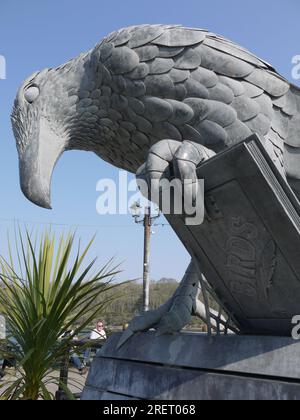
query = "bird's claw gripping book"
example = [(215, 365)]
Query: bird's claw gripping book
[(249, 245)]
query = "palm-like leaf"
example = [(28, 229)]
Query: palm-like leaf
[(45, 296)]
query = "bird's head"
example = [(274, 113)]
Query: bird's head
[(40, 133), (45, 123)]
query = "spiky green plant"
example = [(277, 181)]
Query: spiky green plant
[(47, 294)]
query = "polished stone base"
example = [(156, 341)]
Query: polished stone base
[(190, 366)]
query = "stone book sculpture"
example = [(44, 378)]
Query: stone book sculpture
[(248, 246)]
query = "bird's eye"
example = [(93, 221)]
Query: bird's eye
[(31, 94)]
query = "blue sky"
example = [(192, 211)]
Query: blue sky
[(35, 34)]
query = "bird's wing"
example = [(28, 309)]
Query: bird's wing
[(175, 82)]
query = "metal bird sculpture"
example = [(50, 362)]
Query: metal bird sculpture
[(161, 94)]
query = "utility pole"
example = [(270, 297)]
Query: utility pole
[(147, 222), (146, 271)]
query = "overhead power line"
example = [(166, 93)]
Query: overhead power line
[(72, 225)]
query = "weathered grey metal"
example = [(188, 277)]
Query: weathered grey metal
[(196, 367), (145, 84)]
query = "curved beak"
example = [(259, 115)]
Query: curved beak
[(37, 163)]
